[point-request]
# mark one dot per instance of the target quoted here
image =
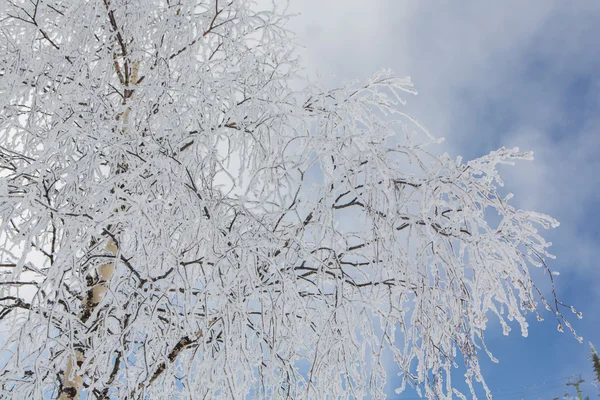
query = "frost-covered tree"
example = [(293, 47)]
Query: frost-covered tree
[(179, 220), (595, 362)]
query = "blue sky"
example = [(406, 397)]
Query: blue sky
[(493, 74)]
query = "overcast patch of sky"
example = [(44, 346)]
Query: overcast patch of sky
[(493, 74)]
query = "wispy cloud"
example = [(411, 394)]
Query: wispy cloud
[(489, 74)]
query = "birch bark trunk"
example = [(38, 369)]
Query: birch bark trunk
[(73, 376)]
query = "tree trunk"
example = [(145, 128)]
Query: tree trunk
[(73, 376)]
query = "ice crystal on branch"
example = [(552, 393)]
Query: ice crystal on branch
[(178, 222)]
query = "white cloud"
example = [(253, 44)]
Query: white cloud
[(465, 60)]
